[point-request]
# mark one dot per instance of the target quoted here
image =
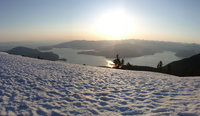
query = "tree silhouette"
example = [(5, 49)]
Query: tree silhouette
[(159, 66), (128, 64), (117, 62), (122, 62)]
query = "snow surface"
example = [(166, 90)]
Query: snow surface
[(39, 87)]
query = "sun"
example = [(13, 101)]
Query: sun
[(114, 24)]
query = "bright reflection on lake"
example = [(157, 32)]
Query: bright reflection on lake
[(149, 60), (110, 64)]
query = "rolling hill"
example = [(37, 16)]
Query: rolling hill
[(185, 67)]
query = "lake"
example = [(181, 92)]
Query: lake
[(73, 57)]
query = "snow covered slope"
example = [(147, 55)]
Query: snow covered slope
[(38, 87)]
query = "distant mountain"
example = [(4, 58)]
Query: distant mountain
[(5, 46), (34, 53), (128, 48), (185, 67), (79, 44)]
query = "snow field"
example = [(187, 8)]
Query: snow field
[(39, 87)]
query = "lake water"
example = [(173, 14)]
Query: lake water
[(149, 60)]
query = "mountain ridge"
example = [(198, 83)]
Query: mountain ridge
[(128, 48)]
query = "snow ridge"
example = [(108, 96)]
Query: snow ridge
[(38, 87)]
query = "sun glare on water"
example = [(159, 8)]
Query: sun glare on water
[(110, 64), (115, 24)]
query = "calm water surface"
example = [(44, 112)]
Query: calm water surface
[(149, 60)]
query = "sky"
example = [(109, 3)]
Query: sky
[(45, 20)]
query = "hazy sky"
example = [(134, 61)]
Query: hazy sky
[(164, 20)]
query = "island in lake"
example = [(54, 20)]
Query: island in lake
[(34, 53)]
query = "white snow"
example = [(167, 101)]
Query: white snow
[(39, 87)]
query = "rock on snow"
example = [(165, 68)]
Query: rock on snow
[(38, 87)]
